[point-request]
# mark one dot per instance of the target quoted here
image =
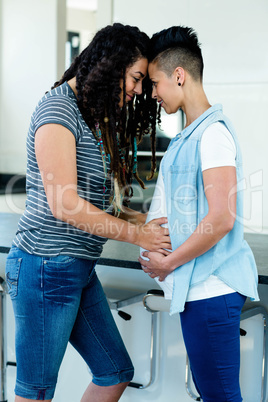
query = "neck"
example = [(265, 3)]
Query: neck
[(72, 84), (196, 103)]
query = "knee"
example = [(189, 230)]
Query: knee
[(125, 377), (129, 376), (121, 385), (115, 379)]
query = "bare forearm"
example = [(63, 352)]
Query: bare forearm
[(69, 207), (85, 216), (133, 216), (209, 232)]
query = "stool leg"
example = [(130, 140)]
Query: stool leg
[(3, 358)]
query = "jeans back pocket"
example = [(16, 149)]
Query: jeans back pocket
[(12, 275)]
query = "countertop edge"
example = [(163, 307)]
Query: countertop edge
[(263, 279)]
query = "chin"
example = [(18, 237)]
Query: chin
[(171, 111), (168, 111)]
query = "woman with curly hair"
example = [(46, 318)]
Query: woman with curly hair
[(82, 157)]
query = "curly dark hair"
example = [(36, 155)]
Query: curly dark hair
[(98, 70)]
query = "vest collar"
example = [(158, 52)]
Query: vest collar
[(188, 130)]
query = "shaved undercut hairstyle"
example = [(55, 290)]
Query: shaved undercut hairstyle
[(177, 46)]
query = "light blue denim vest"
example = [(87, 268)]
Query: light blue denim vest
[(231, 259)]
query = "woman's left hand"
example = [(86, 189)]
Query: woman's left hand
[(156, 266)]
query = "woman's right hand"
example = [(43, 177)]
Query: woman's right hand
[(153, 237)]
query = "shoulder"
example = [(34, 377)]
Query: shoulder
[(217, 134), (57, 106), (217, 147), (58, 98), (217, 129)]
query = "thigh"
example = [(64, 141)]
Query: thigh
[(46, 294), (212, 339), (96, 337), (63, 281), (23, 277)]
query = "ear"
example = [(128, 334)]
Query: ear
[(179, 74)]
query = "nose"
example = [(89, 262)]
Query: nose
[(154, 93), (138, 88)]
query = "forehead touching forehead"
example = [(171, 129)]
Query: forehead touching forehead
[(139, 67)]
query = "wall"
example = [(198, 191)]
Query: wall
[(33, 56), (234, 37), (82, 21)]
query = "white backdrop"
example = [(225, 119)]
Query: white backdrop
[(234, 38)]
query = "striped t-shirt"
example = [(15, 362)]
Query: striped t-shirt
[(38, 231)]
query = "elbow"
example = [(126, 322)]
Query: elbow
[(223, 222), (229, 224), (56, 210), (65, 207)]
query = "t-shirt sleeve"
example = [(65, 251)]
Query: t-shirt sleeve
[(56, 110), (217, 147)]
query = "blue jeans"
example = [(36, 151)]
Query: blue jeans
[(211, 331), (56, 300)]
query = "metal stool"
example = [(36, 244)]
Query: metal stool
[(154, 305)]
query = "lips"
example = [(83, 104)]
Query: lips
[(160, 102), (129, 97)]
